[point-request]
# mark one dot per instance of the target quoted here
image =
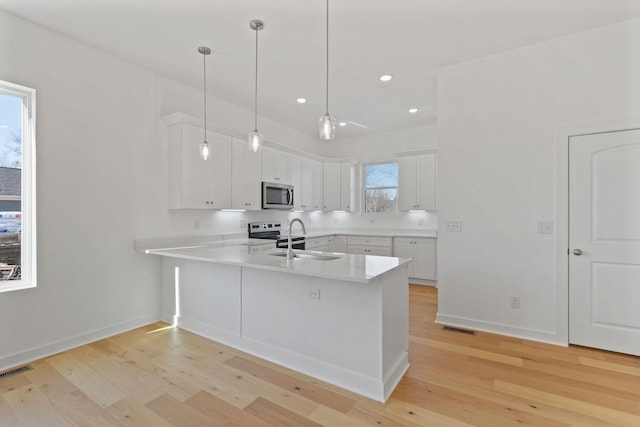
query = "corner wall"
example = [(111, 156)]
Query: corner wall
[(498, 123)]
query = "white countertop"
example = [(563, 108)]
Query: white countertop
[(347, 267)]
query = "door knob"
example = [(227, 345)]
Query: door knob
[(577, 252)]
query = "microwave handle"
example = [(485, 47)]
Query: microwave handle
[(290, 196)]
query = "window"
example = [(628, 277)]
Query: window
[(17, 187), (381, 187)]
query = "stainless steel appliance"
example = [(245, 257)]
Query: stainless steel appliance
[(277, 196), (270, 230)]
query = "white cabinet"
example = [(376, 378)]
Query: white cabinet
[(276, 166), (331, 187), (365, 245), (339, 187), (317, 244), (296, 181), (318, 193), (245, 177), (422, 251), (338, 243), (195, 183), (347, 187), (303, 180), (417, 182)]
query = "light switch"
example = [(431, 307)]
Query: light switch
[(545, 227)]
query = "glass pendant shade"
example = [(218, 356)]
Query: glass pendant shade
[(327, 127), (205, 150), (255, 141)]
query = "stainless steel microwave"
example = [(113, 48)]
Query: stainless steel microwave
[(277, 196)]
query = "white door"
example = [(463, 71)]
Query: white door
[(604, 241)]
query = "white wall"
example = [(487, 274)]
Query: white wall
[(384, 145), (499, 120)]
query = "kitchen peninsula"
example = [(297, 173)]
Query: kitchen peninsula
[(342, 318)]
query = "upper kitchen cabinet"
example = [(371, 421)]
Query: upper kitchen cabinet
[(276, 166), (195, 183), (332, 187), (347, 187), (245, 177), (303, 181), (339, 187), (417, 182), (318, 192)]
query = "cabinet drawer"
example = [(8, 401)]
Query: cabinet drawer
[(369, 241), (369, 250)]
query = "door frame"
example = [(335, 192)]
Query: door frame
[(562, 210)]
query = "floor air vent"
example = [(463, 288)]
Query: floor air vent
[(458, 330), (15, 371)]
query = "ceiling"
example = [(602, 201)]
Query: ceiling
[(410, 39)]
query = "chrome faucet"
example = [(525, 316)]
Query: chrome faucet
[(304, 232)]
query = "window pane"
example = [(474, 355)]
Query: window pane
[(381, 187), (382, 175), (10, 186), (381, 200)]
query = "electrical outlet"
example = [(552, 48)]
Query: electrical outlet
[(420, 221), (313, 293), (243, 224), (454, 226), (196, 224), (515, 302), (545, 227)]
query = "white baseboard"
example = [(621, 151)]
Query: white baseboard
[(48, 349), (501, 329), (423, 282)]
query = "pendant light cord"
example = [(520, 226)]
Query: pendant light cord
[(327, 97), (204, 73), (255, 106)]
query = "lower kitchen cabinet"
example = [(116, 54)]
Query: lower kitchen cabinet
[(317, 244), (338, 243), (423, 253), (364, 245)]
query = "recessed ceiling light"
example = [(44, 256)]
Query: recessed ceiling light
[(342, 124), (385, 77), (301, 100), (413, 110)]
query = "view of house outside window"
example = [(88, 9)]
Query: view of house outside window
[(11, 108), (381, 187)]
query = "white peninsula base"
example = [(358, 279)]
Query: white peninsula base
[(351, 334)]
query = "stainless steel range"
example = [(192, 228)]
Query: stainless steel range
[(270, 230)]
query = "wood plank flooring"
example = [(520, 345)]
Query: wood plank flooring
[(161, 376)]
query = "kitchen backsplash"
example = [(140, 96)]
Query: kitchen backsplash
[(223, 222)]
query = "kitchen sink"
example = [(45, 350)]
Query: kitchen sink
[(307, 256)]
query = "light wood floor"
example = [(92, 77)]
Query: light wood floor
[(159, 376)]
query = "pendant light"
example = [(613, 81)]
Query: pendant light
[(205, 150), (326, 123), (255, 137)]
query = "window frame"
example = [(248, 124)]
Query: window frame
[(28, 261), (364, 188)]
